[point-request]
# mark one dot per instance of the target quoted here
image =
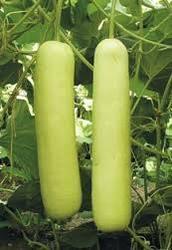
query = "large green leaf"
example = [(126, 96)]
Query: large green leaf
[(20, 137), (35, 34), (132, 6), (91, 9), (148, 215), (9, 73), (80, 11), (137, 85), (156, 61), (159, 16), (84, 32)]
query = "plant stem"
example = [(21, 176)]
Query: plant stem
[(29, 13), (6, 190), (130, 32), (55, 236), (140, 95), (150, 150), (169, 243), (148, 5), (139, 52), (97, 244), (137, 239), (142, 38), (43, 13), (155, 29), (145, 179), (76, 51), (166, 93), (57, 21), (138, 194), (161, 106), (112, 17), (15, 92), (158, 144), (14, 217), (66, 39), (36, 243), (148, 201)]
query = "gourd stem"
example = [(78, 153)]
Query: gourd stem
[(112, 23), (66, 39), (76, 51), (58, 14)]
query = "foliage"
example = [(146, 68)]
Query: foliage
[(145, 29)]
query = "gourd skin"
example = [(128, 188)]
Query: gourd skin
[(111, 179), (54, 117)]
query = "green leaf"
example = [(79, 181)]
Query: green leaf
[(14, 12), (156, 61), (35, 34), (165, 225), (84, 236), (137, 85), (24, 150), (21, 4), (164, 198), (27, 198), (148, 215), (165, 27), (9, 73), (16, 172), (5, 58), (132, 6), (67, 21), (84, 33), (91, 8), (3, 152), (125, 3), (80, 11)]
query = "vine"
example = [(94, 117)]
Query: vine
[(29, 13), (58, 13), (111, 21), (132, 34)]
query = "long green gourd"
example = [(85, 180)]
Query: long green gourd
[(54, 117), (111, 175)]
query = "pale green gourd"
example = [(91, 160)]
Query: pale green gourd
[(54, 116), (111, 175)]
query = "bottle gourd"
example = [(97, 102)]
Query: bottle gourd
[(54, 117), (111, 198)]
